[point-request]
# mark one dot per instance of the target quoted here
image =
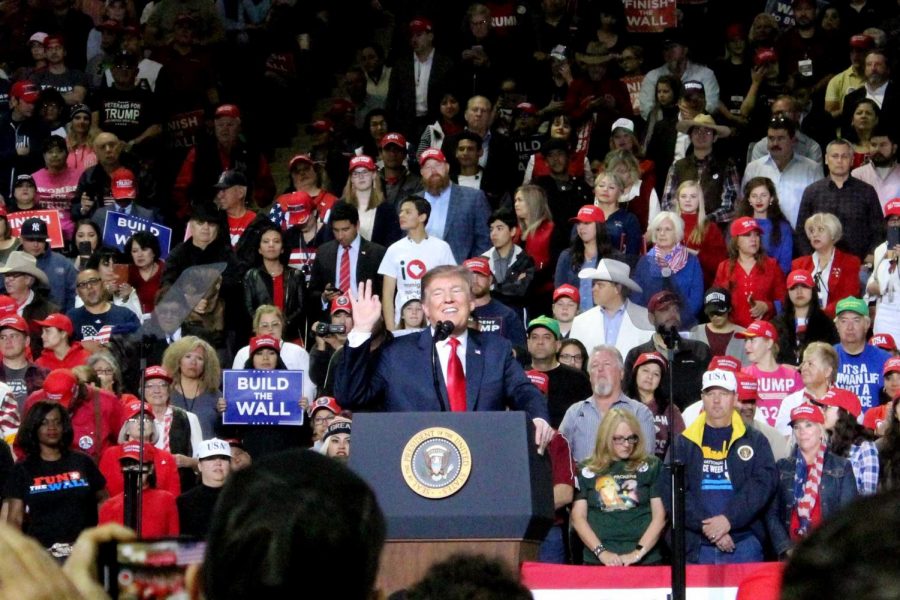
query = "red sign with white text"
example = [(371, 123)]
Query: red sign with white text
[(50, 217), (649, 16)]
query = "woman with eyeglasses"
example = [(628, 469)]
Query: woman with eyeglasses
[(813, 482), (618, 512), (378, 219), (57, 511), (572, 353), (835, 273), (108, 371)]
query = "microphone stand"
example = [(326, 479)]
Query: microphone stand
[(442, 330), (679, 561), (134, 485)]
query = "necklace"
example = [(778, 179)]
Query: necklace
[(192, 400)]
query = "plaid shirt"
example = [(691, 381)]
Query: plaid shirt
[(864, 459), (718, 178)]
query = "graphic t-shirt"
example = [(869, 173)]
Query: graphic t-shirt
[(238, 225), (127, 113), (619, 505), (715, 485), (15, 379), (55, 191), (407, 261), (861, 373), (60, 496), (773, 387)]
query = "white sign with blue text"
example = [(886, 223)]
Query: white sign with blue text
[(262, 397)]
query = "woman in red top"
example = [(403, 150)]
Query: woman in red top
[(534, 234), (146, 268), (755, 280), (309, 177), (561, 128), (835, 273), (702, 237)]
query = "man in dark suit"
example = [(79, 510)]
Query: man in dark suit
[(124, 189), (418, 81), (364, 258), (491, 379), (879, 87), (459, 215)]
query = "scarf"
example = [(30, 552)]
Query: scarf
[(806, 486), (675, 260)]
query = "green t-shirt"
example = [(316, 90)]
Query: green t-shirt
[(619, 506)]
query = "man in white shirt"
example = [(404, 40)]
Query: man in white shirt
[(879, 88), (675, 55)]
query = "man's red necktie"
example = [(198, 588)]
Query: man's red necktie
[(344, 282), (456, 379)]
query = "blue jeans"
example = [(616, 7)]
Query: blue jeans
[(745, 551), (553, 549)]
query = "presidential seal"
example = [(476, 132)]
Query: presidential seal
[(436, 462)]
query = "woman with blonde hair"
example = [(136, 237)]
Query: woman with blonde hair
[(196, 375), (618, 512), (80, 138), (622, 227), (835, 272), (701, 236), (536, 235), (818, 370), (378, 221)]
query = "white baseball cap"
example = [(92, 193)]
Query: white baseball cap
[(719, 378), (214, 447)]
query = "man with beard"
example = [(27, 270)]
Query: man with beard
[(881, 172), (690, 357), (880, 88), (397, 181), (789, 171), (491, 315), (459, 215), (565, 384), (582, 419), (88, 321)]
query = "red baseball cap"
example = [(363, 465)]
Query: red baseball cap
[(299, 207), (58, 320), (8, 306), (765, 56), (157, 372), (478, 264), (420, 25), (393, 138), (60, 386), (800, 277), (646, 357), (540, 380), (362, 162), (735, 30), (885, 341), (340, 107), (589, 214), (300, 158), (663, 299), (132, 450), (744, 225), (14, 321), (136, 407), (342, 302), (724, 363), (567, 291), (808, 412), (320, 126), (759, 329), (432, 154), (747, 386), (228, 110), (527, 108), (326, 402), (25, 91), (861, 42), (891, 365), (53, 39), (892, 208), (123, 184), (843, 399), (260, 342)]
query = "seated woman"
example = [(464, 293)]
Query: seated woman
[(649, 384), (813, 483), (754, 279), (670, 265), (572, 353), (590, 244), (618, 512), (760, 201), (835, 272)]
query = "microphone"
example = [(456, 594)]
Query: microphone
[(442, 330)]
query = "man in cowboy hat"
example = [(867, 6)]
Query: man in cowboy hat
[(27, 285), (718, 175), (614, 320)]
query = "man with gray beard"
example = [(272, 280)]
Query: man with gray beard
[(582, 420)]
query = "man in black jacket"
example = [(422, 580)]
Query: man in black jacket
[(195, 508)]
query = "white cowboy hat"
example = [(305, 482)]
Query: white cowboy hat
[(611, 270)]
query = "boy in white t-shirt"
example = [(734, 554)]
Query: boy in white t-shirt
[(407, 260)]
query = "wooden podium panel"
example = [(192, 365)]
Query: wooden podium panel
[(404, 562)]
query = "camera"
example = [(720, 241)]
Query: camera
[(151, 569), (323, 329)]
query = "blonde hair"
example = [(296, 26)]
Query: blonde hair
[(265, 309), (826, 221), (699, 232), (376, 199), (538, 210), (212, 371), (827, 353), (677, 223), (604, 455)]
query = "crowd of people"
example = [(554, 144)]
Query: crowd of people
[(675, 244)]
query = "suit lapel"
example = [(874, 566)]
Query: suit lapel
[(474, 371), (451, 214), (425, 344)]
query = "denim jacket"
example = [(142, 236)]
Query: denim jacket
[(837, 488)]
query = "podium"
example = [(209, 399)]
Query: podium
[(453, 483)]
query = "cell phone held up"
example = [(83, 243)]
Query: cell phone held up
[(148, 569), (893, 237)]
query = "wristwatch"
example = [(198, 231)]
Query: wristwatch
[(599, 549)]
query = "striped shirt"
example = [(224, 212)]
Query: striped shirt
[(582, 420)]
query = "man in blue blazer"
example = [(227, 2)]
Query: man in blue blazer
[(400, 379), (459, 215)]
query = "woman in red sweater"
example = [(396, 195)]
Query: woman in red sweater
[(702, 237), (534, 234), (755, 280), (835, 273)]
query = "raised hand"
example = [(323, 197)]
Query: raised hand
[(366, 308)]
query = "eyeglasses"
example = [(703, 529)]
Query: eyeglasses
[(156, 386), (323, 420), (14, 275), (622, 440), (88, 283), (103, 371), (570, 357)]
